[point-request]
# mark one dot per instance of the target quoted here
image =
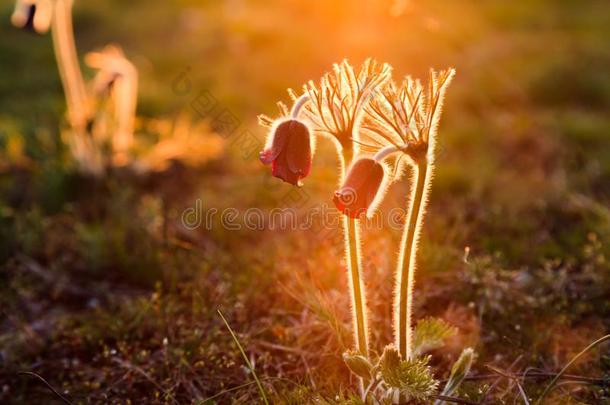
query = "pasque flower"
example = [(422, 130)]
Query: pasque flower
[(290, 146), (289, 151), (334, 108), (362, 189), (402, 125), (392, 124)]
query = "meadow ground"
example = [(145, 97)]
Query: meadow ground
[(111, 297)]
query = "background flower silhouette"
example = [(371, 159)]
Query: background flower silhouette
[(106, 295)]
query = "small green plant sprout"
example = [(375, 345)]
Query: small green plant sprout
[(429, 334), (395, 379), (401, 125), (459, 371), (358, 364), (405, 379)]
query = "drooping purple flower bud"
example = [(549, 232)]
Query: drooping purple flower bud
[(289, 152), (361, 187)]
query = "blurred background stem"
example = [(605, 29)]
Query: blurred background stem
[(79, 108), (69, 68)]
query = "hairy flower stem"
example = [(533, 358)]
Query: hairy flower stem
[(352, 246), (351, 233), (407, 258)]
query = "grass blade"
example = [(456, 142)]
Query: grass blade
[(243, 353), (563, 370)]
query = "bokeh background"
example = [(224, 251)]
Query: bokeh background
[(109, 296)]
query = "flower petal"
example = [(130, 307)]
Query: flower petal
[(298, 149), (360, 187), (281, 169), (266, 156), (278, 142)]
